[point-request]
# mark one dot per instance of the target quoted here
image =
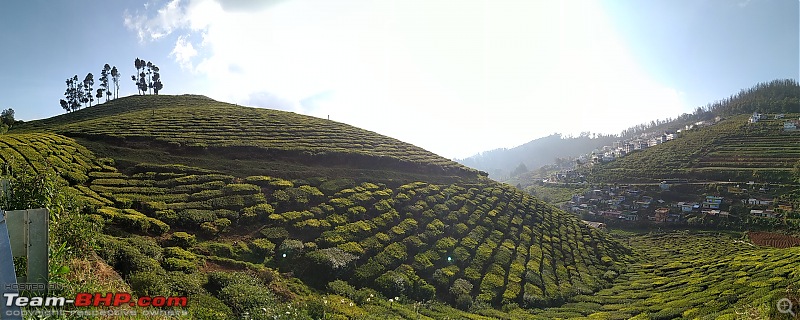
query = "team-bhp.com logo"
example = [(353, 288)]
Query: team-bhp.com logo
[(95, 300)]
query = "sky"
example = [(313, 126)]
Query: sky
[(453, 77)]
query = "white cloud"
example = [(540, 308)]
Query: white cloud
[(455, 77), (166, 20), (184, 52)]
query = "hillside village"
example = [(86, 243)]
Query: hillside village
[(639, 205), (650, 139)]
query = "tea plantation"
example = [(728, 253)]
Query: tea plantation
[(344, 223), (731, 149)]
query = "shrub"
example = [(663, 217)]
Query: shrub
[(206, 307), (246, 298), (460, 292), (186, 284), (176, 264), (148, 283), (262, 247), (351, 247), (393, 284), (341, 288), (275, 234), (334, 259), (241, 189), (291, 247), (177, 252), (260, 211), (219, 249), (182, 239)]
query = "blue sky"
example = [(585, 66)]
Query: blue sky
[(454, 77)]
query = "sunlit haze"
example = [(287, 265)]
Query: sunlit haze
[(454, 77)]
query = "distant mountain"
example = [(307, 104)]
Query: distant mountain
[(501, 163)]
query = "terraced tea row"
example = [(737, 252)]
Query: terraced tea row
[(197, 123), (693, 275), (729, 150), (484, 243), (380, 235)]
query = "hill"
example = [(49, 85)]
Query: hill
[(186, 206), (503, 163), (733, 149), (187, 129)]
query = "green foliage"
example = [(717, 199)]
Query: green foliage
[(275, 234), (341, 288), (291, 247), (460, 292), (262, 247), (207, 307), (148, 283), (182, 239)]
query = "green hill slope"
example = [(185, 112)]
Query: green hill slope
[(170, 228), (693, 275), (137, 127), (731, 149)]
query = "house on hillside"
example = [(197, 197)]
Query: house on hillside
[(764, 213), (643, 203), (779, 116), (630, 216), (789, 126), (755, 117), (688, 206), (597, 225), (716, 213), (712, 202), (759, 202), (661, 214)]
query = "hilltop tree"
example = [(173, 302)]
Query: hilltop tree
[(88, 82), (156, 85), (149, 71), (7, 116), (73, 94), (140, 78), (104, 89), (6, 120), (99, 95), (147, 77), (115, 77)]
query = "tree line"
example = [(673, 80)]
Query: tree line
[(82, 93), (776, 96)]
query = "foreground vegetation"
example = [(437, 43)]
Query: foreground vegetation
[(225, 240), (682, 274)]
